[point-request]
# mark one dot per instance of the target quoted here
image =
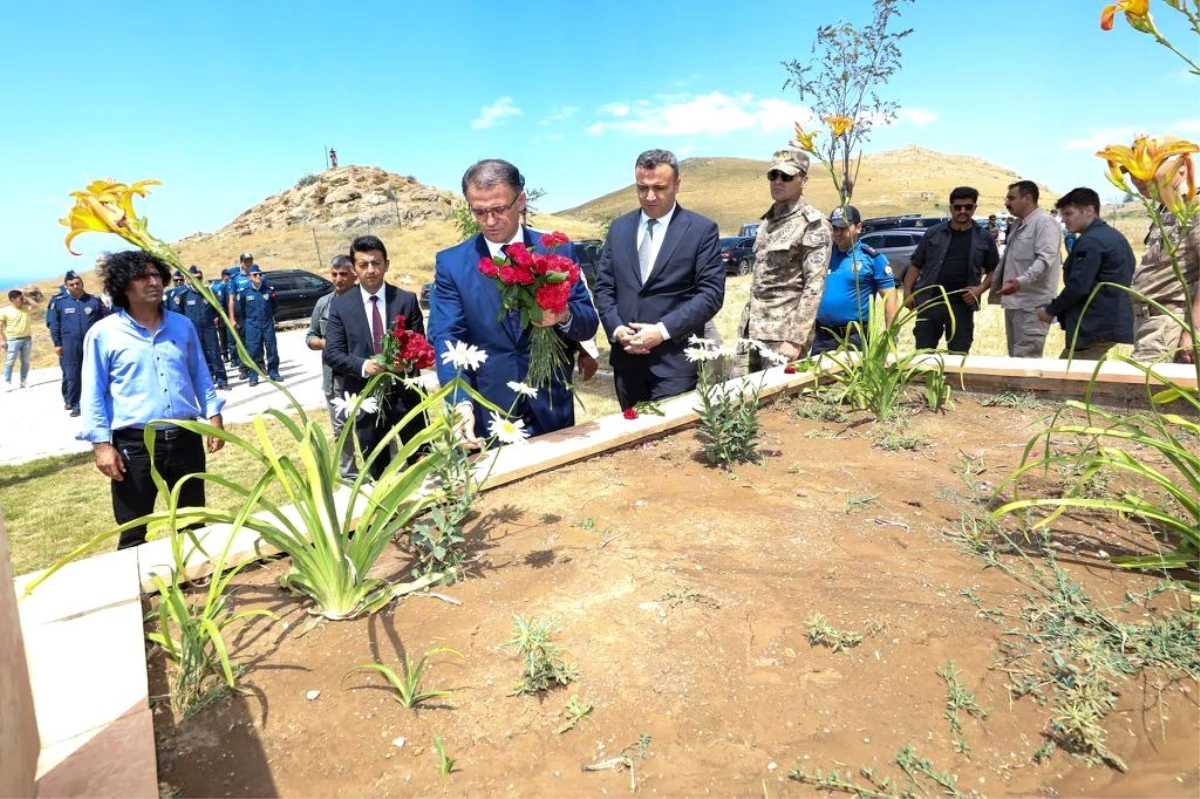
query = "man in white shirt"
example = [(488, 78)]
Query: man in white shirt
[(1027, 278)]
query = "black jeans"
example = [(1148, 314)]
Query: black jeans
[(935, 321), (180, 454)]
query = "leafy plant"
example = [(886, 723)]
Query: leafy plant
[(465, 222), (574, 713), (822, 633), (876, 376), (728, 412), (408, 687), (544, 665), (958, 698), (191, 632), (894, 437), (438, 538), (920, 779), (1019, 400), (445, 762)]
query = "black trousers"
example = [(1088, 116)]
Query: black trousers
[(826, 338), (935, 322), (371, 431), (636, 384), (177, 452)]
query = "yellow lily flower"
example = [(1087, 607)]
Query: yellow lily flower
[(1144, 162), (1137, 14), (805, 140), (106, 206), (839, 125)]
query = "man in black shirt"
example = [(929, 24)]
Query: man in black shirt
[(959, 256)]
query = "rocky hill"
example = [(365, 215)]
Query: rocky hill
[(910, 180)]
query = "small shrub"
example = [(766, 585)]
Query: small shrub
[(544, 666), (445, 762), (408, 688), (822, 633), (465, 221), (894, 438), (306, 180)]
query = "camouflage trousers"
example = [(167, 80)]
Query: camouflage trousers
[(1155, 335)]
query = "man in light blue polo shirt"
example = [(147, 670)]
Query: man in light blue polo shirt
[(856, 273), (143, 364)]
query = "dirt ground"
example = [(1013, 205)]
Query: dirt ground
[(683, 594)]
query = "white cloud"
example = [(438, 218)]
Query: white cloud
[(713, 114), (559, 115), (1099, 138), (492, 115), (917, 116)]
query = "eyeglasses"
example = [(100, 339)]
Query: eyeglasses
[(963, 206), (775, 175), (483, 213)]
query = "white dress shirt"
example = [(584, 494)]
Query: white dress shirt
[(660, 233)]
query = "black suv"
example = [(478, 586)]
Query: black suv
[(907, 221), (297, 292)]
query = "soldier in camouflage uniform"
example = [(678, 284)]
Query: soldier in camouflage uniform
[(1156, 335), (791, 259)]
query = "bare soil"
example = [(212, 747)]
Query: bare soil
[(683, 594)]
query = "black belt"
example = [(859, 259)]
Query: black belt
[(160, 433)]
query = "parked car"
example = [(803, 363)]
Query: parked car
[(738, 254), (423, 296), (297, 292), (897, 246), (878, 223), (750, 229)]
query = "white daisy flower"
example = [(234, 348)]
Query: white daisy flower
[(696, 341), (522, 389), (466, 357), (414, 383), (345, 403), (507, 431), (695, 354)]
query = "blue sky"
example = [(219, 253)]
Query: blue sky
[(227, 103)]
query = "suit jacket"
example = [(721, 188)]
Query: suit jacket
[(685, 289), (349, 344), (464, 306)]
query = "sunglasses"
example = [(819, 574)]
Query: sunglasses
[(963, 206), (775, 174)]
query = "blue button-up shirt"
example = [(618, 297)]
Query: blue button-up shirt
[(132, 377)]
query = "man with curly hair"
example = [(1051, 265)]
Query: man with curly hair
[(143, 364)]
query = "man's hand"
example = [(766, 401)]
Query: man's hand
[(215, 443), (910, 301), (1186, 352), (647, 336), (58, 351), (315, 343), (587, 366), (372, 368), (1044, 317), (788, 350), (625, 336), (550, 318), (971, 294), (1011, 286), (464, 427), (109, 462)]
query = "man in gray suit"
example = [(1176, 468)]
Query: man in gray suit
[(660, 280), (341, 272)]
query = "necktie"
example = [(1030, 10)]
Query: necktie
[(376, 325), (644, 260)]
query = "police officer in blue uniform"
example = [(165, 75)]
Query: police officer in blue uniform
[(257, 307), (856, 273), (221, 292), (74, 314), (51, 321), (239, 282), (177, 285), (192, 304)]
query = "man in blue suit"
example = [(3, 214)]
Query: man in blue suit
[(465, 306), (659, 281)]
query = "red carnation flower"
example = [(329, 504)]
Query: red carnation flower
[(555, 239), (629, 413), (520, 255), (488, 268), (790, 369), (553, 296)]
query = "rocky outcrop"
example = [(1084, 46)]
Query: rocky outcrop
[(346, 198)]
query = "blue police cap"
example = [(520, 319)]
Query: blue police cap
[(256, 270), (195, 270), (71, 275)]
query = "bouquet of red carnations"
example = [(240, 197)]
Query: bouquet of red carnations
[(536, 284), (402, 351)]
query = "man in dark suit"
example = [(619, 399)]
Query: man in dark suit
[(357, 323), (464, 306), (659, 281)]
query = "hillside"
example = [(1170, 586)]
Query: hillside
[(911, 180)]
